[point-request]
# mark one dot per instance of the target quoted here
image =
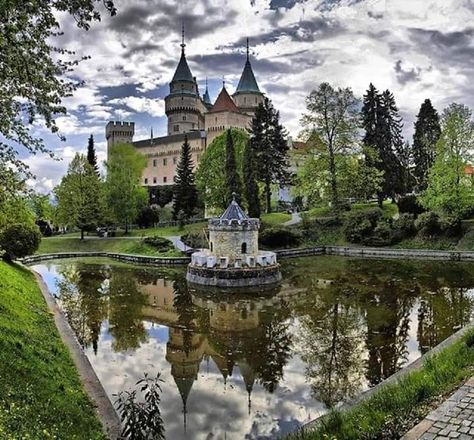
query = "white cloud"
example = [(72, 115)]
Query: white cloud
[(154, 107)]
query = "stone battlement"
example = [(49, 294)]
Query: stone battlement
[(251, 224), (120, 124)]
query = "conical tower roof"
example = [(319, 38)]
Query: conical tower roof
[(206, 98), (247, 82), (183, 72), (224, 103), (234, 212)]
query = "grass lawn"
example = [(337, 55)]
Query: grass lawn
[(133, 246), (391, 411), (275, 218), (389, 209), (41, 396)]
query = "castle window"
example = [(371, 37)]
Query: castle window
[(146, 181), (255, 100), (176, 127), (154, 179), (164, 161), (244, 248), (154, 162), (174, 160), (245, 99), (165, 179), (212, 246)]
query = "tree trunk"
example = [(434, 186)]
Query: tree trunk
[(334, 196), (268, 195), (126, 228), (82, 233)]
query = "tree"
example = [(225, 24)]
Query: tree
[(332, 114), (19, 240), (33, 77), (41, 206), (449, 191), (268, 139), (123, 184), (250, 181), (425, 138), (233, 180), (382, 126), (91, 156), (79, 196), (185, 194), (210, 174)]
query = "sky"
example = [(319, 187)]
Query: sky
[(416, 48)]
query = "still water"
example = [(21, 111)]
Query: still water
[(256, 366)]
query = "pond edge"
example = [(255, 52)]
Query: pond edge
[(91, 383)]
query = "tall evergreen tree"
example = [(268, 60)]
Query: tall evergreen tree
[(269, 143), (91, 156), (250, 181), (233, 179), (427, 133), (184, 194)]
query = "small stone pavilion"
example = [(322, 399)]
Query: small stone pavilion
[(233, 258)]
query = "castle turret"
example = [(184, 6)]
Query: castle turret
[(248, 96), (119, 132), (183, 105)]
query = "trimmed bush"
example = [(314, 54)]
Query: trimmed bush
[(428, 224), (382, 235), (45, 228), (147, 217), (450, 226), (280, 237), (20, 240), (159, 243), (409, 204), (195, 240), (404, 226), (359, 225)]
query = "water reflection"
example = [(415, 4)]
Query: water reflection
[(255, 366)]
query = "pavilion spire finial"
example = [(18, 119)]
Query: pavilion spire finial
[(183, 44), (248, 51)]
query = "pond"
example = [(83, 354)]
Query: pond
[(258, 365)]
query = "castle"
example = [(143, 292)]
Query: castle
[(190, 115)]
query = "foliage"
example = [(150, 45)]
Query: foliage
[(279, 237), (42, 396), (382, 125), (19, 240), (147, 217), (142, 420), (428, 224), (184, 191), (233, 181), (80, 196), (359, 225), (268, 140), (33, 77), (44, 228), (251, 190), (195, 239), (409, 204), (161, 195), (91, 155), (123, 185), (405, 225), (449, 191), (425, 138), (41, 206), (210, 175), (332, 115), (15, 209), (161, 244)]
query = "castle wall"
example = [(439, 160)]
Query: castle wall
[(218, 122), (247, 102), (229, 243), (163, 159)]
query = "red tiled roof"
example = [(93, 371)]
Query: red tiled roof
[(224, 103), (468, 170)]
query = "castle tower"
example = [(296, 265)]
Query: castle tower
[(119, 132), (248, 96), (183, 106)]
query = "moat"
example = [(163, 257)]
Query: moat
[(257, 366)]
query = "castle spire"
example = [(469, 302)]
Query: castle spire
[(247, 82), (183, 44), (248, 54)]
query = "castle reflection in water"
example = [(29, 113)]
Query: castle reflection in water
[(352, 323)]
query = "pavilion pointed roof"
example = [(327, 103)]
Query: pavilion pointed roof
[(234, 212), (224, 103)]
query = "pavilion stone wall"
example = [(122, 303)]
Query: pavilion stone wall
[(227, 243)]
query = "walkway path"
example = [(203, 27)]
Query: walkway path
[(295, 219), (453, 419), (178, 244)]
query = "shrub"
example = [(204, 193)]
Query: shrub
[(159, 243), (20, 240), (279, 237), (195, 240), (382, 235), (147, 217), (451, 226), (404, 226), (360, 225), (428, 224), (44, 228), (409, 204)]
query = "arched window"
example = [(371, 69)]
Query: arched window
[(244, 248), (212, 247)]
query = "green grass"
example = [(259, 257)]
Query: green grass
[(41, 396), (392, 410), (122, 245), (275, 218)]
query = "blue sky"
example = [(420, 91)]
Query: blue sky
[(417, 48)]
